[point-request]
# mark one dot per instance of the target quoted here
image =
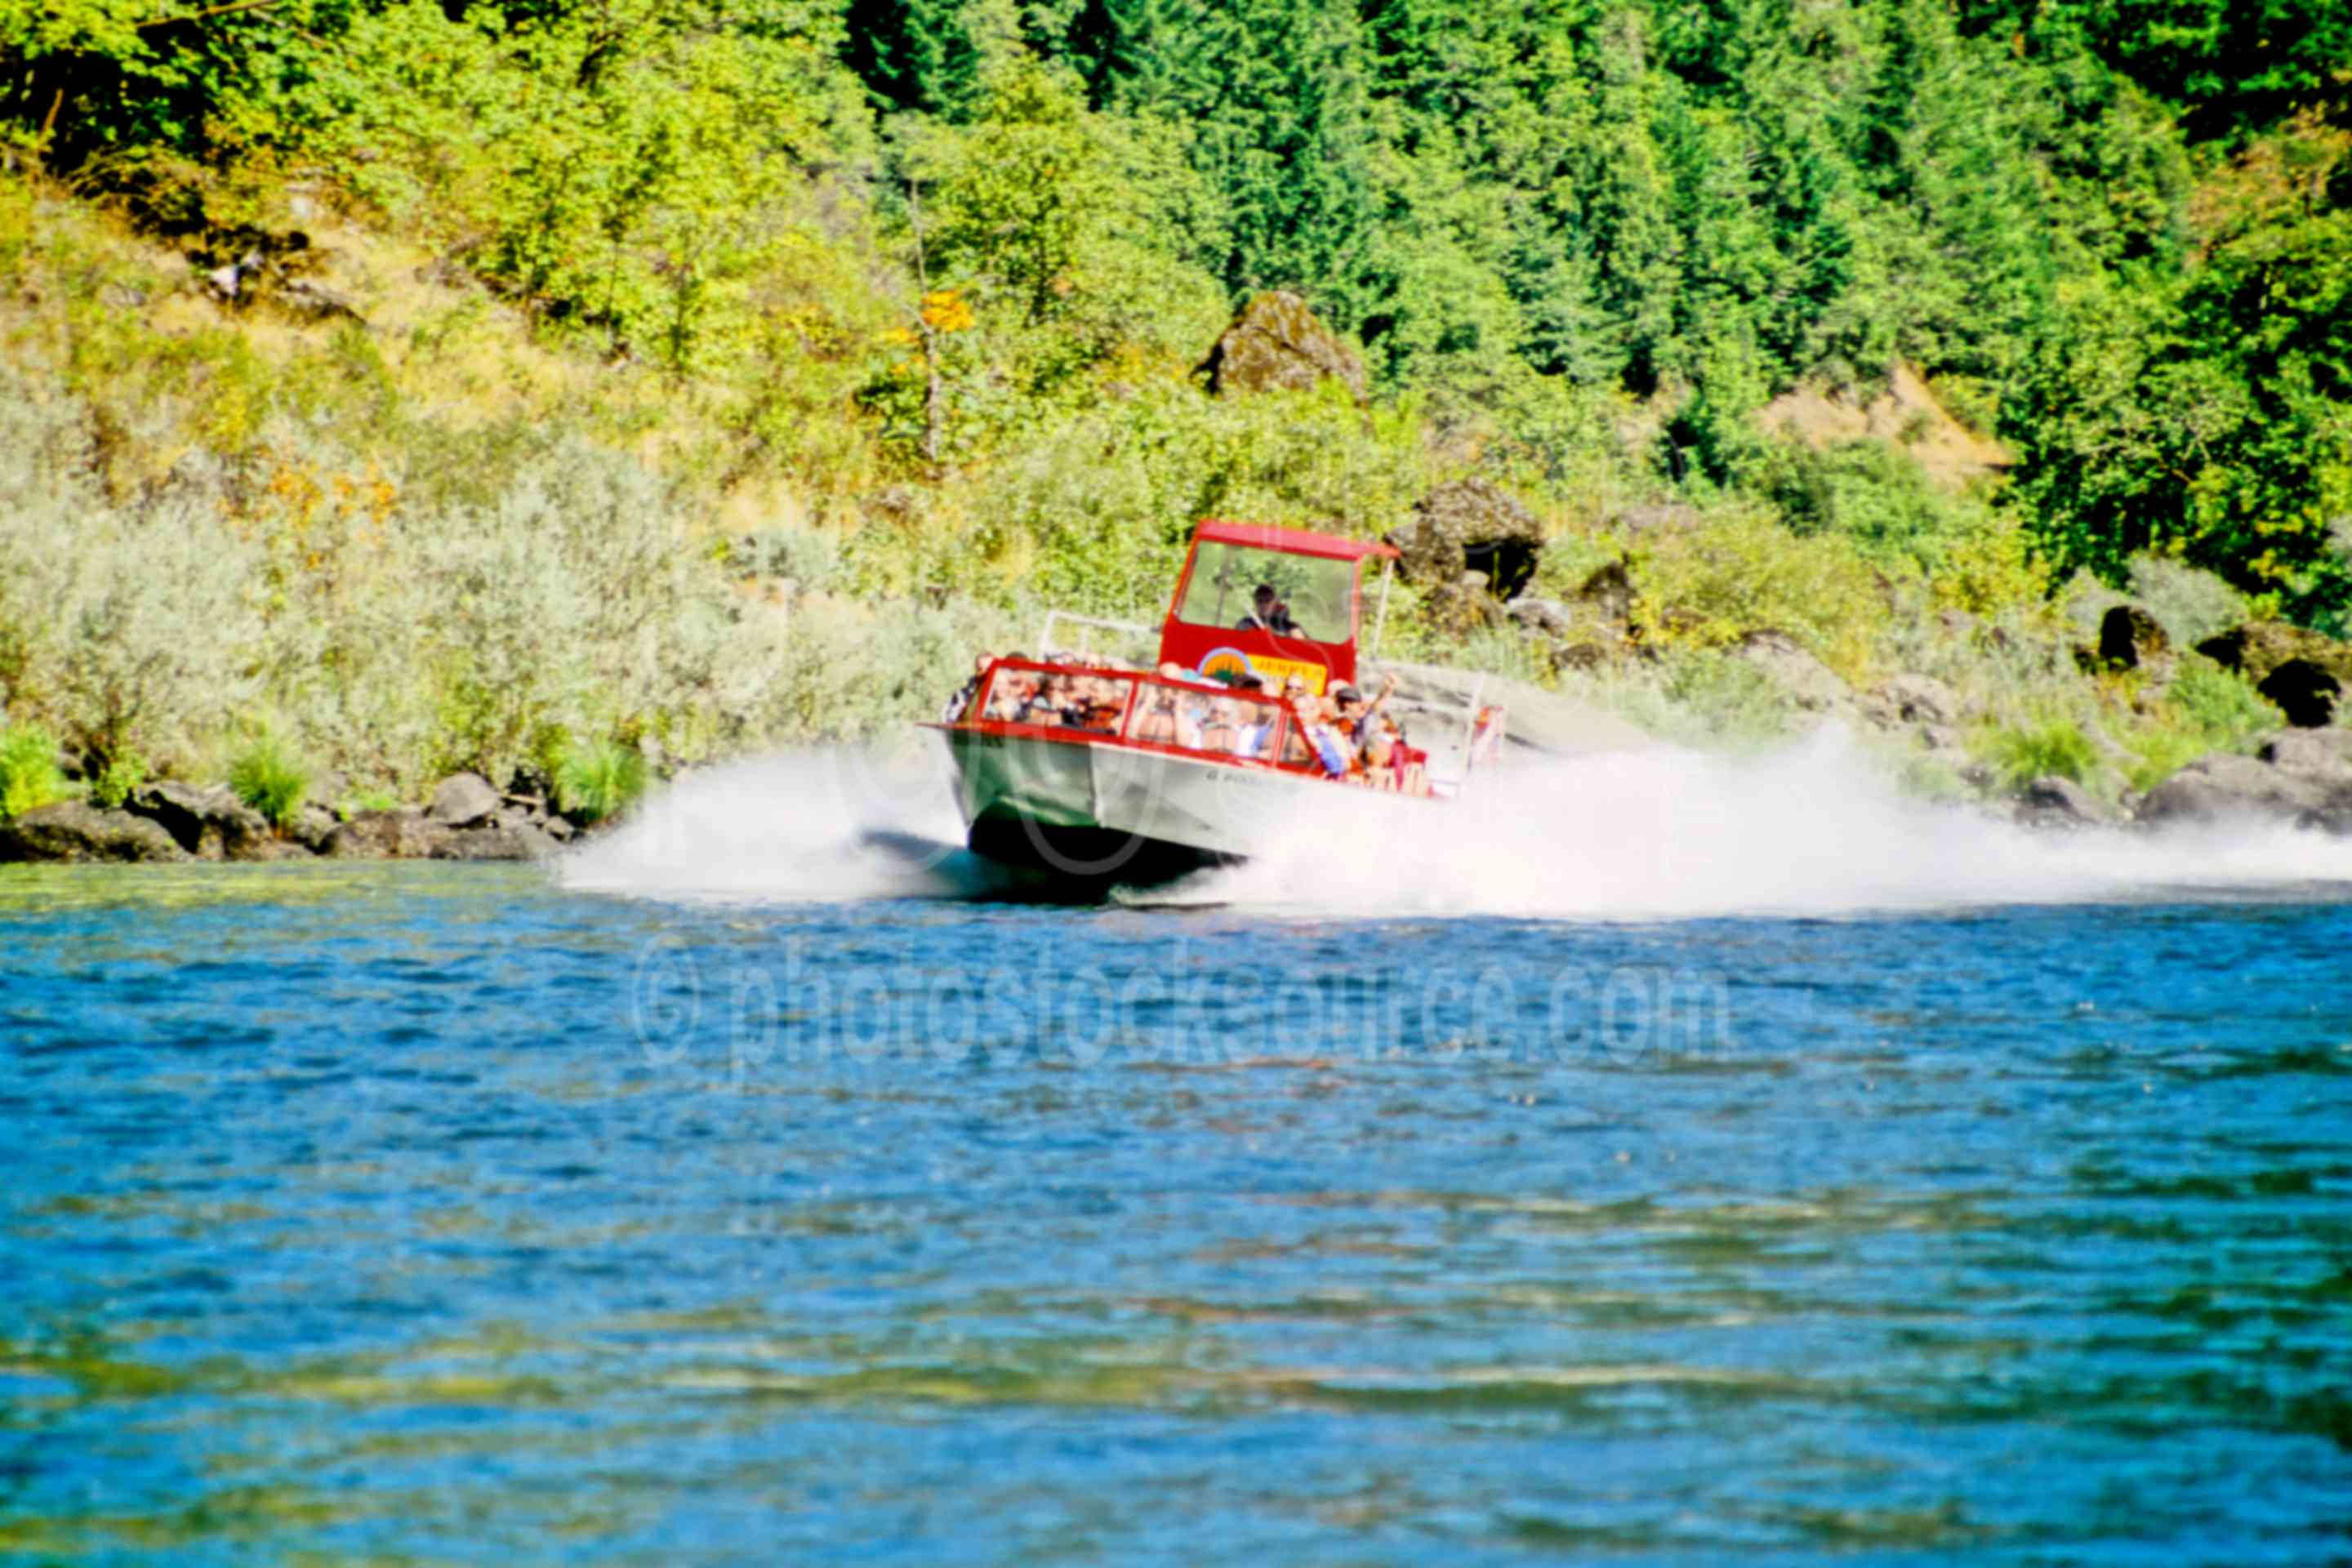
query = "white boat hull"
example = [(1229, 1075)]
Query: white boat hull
[(1101, 811)]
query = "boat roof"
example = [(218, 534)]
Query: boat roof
[(1292, 541)]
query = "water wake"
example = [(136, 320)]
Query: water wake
[(1645, 834), (827, 825)]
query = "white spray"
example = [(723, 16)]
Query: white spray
[(1642, 834)]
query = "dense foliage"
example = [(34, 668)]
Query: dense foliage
[(934, 275), (2117, 232)]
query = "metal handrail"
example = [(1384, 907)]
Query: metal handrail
[(1046, 637)]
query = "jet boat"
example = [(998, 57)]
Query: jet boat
[(1087, 768)]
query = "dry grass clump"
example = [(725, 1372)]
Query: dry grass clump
[(391, 635)]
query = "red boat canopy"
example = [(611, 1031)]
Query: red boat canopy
[(1293, 541)]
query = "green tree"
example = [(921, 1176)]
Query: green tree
[(914, 54)]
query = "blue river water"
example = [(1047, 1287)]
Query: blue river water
[(451, 1213)]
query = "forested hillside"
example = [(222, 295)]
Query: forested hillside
[(933, 279)]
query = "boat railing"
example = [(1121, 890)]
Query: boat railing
[(1136, 653), (1073, 702)]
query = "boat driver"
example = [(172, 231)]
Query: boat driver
[(1269, 613)]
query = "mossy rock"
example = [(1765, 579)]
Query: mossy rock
[(1276, 343)]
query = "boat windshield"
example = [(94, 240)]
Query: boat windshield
[(1312, 594)]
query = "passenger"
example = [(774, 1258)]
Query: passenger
[(1358, 717), (1329, 745), (1222, 733), (1191, 714), (1156, 723), (1380, 760), (1269, 613), (1257, 732), (1009, 693), (1048, 704), (1411, 765), (1106, 704), (960, 703)]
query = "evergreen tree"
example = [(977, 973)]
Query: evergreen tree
[(913, 54)]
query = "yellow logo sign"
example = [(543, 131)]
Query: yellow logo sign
[(1281, 670), (1229, 664)]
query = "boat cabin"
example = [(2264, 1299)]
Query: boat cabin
[(1255, 599)]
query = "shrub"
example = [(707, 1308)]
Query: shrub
[(1878, 495), (2191, 604), (367, 800), (2053, 748), (123, 773), (599, 779), (2221, 704), (30, 778), (129, 620), (2207, 709), (1704, 697), (2158, 752), (270, 779), (1708, 587)]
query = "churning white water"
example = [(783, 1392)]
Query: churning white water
[(1647, 833)]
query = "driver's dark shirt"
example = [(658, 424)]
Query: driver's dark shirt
[(1280, 625)]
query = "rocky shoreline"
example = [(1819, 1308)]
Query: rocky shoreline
[(467, 819)]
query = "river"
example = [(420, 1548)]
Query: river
[(1824, 1179)]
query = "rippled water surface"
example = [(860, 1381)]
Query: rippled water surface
[(441, 1214)]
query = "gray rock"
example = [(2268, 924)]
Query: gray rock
[(209, 824), (2227, 788), (1608, 592), (1815, 686), (312, 826), (2053, 801), (76, 830), (2323, 752), (403, 835), (525, 843), (1919, 699), (1471, 537), (1548, 616), (462, 800), (2258, 648), (1939, 738)]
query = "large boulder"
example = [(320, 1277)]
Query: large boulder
[(2325, 752), (463, 800), (1917, 700), (1277, 342), (76, 830), (209, 824), (1470, 525), (2258, 648), (2229, 788), (2055, 802), (1813, 685), (313, 825), (403, 835), (501, 841)]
